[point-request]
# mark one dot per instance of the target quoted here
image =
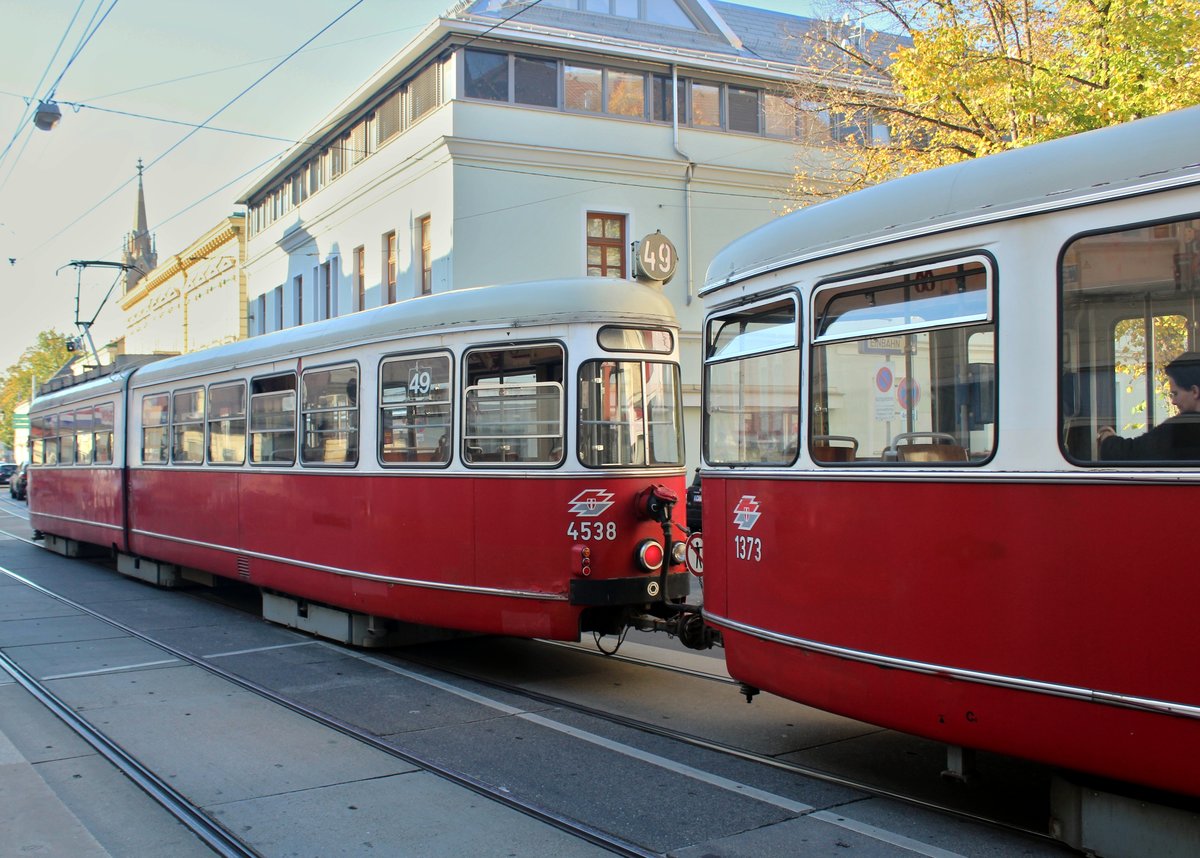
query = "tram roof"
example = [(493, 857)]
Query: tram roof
[(1122, 160), (499, 307)]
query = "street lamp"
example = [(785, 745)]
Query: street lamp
[(47, 115)]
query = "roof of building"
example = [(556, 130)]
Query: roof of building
[(1123, 160), (729, 38)]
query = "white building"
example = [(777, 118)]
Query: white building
[(511, 141)]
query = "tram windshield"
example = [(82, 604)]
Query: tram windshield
[(630, 413), (1130, 303)]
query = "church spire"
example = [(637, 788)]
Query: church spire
[(139, 246)]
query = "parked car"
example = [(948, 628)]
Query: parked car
[(18, 483), (693, 503), (7, 469)]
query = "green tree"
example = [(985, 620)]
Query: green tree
[(966, 78), (37, 364)]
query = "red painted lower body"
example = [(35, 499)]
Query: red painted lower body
[(970, 613), (81, 503), (489, 554)]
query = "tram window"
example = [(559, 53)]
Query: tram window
[(66, 438), (614, 339), (103, 427), (513, 405), (414, 410), (273, 420), (187, 426), (227, 424), (630, 413), (155, 419), (752, 385), (330, 416), (83, 436), (43, 445), (1130, 302), (903, 368)]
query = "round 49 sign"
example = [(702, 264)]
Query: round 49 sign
[(657, 257)]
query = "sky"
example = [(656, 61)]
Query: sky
[(150, 70)]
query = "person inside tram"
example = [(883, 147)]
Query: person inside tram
[(1175, 438)]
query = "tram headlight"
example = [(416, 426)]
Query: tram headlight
[(650, 555)]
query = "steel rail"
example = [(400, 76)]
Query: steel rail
[(215, 836), (590, 834), (722, 747)]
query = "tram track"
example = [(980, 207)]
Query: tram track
[(707, 744), (508, 799), (214, 836), (224, 842)]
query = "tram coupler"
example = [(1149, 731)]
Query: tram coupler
[(688, 625)]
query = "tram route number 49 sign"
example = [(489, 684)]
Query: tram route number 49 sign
[(656, 258)]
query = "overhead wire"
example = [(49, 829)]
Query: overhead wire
[(204, 123), (22, 123), (89, 31)]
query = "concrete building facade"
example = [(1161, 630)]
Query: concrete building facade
[(192, 300), (512, 141)]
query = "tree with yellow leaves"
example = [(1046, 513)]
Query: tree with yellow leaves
[(957, 79)]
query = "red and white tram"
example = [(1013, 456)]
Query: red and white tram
[(907, 516), (503, 459)]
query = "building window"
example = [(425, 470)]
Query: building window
[(388, 116), (426, 256), (360, 278), (258, 316), (780, 115), (389, 267), (662, 108), (626, 93), (277, 300), (425, 91), (605, 245), (485, 75), (326, 308), (742, 109), (535, 82), (298, 299), (706, 105), (583, 88)]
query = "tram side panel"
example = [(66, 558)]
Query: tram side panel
[(80, 503), (944, 615), (185, 516), (363, 542)]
